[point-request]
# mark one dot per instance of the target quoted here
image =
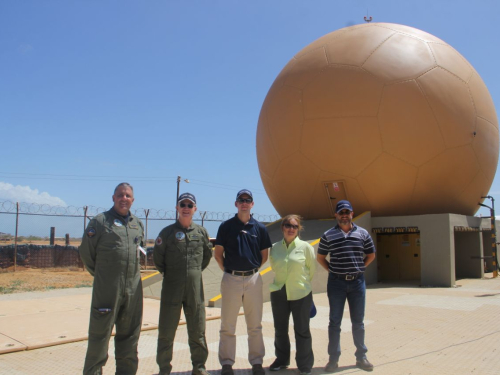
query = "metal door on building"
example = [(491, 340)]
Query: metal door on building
[(335, 191), (398, 256)]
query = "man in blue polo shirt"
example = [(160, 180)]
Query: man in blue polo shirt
[(241, 247), (351, 250)]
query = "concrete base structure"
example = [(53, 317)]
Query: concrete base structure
[(451, 246)]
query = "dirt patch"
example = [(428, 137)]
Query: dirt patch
[(30, 279)]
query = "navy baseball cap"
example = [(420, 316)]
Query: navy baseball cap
[(343, 205), (244, 191), (187, 196)]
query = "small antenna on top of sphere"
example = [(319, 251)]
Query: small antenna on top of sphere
[(368, 18)]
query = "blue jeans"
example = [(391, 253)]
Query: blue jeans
[(354, 291)]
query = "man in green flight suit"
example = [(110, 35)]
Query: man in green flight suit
[(182, 251), (110, 250)]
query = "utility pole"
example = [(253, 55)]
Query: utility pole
[(177, 197)]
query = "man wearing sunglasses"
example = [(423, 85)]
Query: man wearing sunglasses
[(241, 248), (182, 251), (351, 250)]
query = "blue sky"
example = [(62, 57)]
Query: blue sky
[(93, 93)]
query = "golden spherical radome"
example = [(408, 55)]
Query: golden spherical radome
[(387, 116)]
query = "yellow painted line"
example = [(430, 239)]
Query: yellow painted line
[(263, 272), (314, 242), (216, 298), (148, 276)]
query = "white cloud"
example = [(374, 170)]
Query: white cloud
[(26, 194)]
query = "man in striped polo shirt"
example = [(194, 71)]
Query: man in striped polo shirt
[(351, 250)]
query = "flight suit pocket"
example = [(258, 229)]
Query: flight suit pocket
[(100, 320), (111, 241), (196, 252), (174, 256)]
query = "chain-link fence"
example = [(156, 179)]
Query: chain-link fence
[(42, 236)]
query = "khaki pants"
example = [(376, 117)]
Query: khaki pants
[(237, 291)]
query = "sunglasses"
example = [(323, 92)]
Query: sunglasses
[(291, 226), (245, 200), (343, 213), (182, 205)]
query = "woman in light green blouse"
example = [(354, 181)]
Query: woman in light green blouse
[(293, 262)]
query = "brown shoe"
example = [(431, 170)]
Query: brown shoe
[(364, 364), (331, 366)]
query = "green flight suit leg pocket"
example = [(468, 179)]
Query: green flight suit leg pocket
[(100, 327)]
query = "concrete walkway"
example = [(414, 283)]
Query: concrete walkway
[(409, 330)]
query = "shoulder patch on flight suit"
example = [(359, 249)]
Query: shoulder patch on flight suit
[(159, 241), (91, 232), (180, 236)]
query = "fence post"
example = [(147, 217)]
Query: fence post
[(203, 217), (67, 239), (15, 240), (52, 243), (146, 212), (52, 235), (85, 208)]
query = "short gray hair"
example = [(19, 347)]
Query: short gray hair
[(125, 184)]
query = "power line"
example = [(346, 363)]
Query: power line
[(223, 186), (74, 177), (83, 175), (145, 179)]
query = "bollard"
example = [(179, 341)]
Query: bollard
[(52, 235), (67, 239)]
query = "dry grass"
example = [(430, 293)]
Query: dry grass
[(30, 279), (61, 242)]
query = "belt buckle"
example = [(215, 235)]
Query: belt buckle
[(349, 277)]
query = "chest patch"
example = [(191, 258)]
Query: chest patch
[(117, 222), (180, 236), (133, 226)]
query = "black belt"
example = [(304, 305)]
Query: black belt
[(242, 273), (349, 277)]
